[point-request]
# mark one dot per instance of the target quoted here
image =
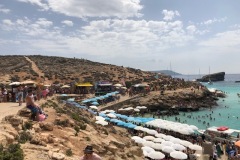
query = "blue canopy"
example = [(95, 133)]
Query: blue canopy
[(132, 126), (95, 103), (86, 101)]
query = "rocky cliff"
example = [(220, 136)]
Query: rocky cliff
[(213, 77)]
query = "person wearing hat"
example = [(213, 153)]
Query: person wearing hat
[(89, 154)]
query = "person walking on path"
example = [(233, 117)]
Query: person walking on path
[(20, 95)]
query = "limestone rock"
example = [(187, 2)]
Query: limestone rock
[(118, 144), (112, 149), (46, 126), (6, 138), (24, 112), (14, 120)]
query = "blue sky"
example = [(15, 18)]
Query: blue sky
[(191, 35)]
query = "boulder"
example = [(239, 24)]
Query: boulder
[(58, 156), (6, 138), (14, 120), (24, 112), (46, 126)]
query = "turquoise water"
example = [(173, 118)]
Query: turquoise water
[(229, 115)]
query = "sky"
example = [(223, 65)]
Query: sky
[(187, 36)]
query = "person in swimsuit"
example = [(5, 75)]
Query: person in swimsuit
[(30, 104)]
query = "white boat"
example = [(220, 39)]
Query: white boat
[(209, 78), (210, 82)]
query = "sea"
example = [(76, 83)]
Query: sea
[(227, 113)]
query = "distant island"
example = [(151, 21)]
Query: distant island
[(167, 72), (220, 76)]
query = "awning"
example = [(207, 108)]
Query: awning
[(84, 85)]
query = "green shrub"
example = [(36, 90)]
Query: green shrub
[(27, 125), (13, 152), (63, 123), (88, 138), (24, 137), (69, 152), (77, 129), (83, 126)]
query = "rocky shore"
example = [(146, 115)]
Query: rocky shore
[(171, 101), (64, 135)]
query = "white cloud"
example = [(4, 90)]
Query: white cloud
[(91, 8), (222, 40), (169, 15), (4, 10), (215, 20), (44, 22), (191, 29), (36, 2), (104, 37), (68, 23), (7, 22)]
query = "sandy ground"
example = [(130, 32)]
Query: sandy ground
[(9, 109)]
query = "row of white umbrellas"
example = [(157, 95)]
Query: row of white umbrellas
[(151, 153), (165, 143), (173, 126), (137, 109)]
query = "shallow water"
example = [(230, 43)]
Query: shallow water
[(227, 113)]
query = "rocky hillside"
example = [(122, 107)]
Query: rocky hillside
[(65, 70), (64, 135)]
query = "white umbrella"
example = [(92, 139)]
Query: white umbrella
[(157, 146), (156, 155), (193, 127), (99, 118), (14, 84), (136, 110), (178, 147), (94, 107), (167, 143), (168, 137), (28, 82), (168, 149), (152, 132), (140, 141), (175, 140), (117, 85), (135, 137), (178, 155), (103, 123), (147, 149), (138, 128), (148, 143), (111, 115), (195, 147), (158, 140), (185, 143), (160, 135), (65, 86), (150, 138)]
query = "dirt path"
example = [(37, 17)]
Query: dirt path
[(9, 109), (37, 70)]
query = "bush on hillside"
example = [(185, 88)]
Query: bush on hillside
[(12, 152)]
